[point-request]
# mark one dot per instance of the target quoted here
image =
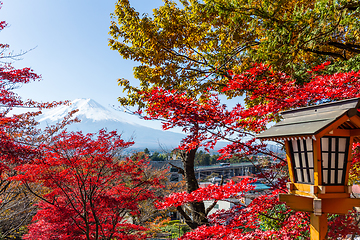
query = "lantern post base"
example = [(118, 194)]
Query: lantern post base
[(318, 226)]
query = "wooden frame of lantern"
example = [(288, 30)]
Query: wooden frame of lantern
[(318, 141)]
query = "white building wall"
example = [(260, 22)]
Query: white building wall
[(220, 205)]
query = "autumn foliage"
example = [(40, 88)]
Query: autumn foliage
[(18, 133), (192, 54), (206, 121), (18, 140), (93, 192)]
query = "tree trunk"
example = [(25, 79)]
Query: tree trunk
[(197, 209)]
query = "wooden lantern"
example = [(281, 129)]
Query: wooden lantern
[(318, 141)]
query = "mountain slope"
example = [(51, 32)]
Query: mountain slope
[(88, 109), (94, 117)]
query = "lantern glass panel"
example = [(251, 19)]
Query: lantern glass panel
[(325, 144), (342, 144), (302, 159), (294, 146), (296, 157), (332, 178), (309, 144), (340, 175), (341, 159), (312, 175), (299, 175), (333, 147), (302, 146), (325, 175), (325, 163), (334, 159), (310, 159)]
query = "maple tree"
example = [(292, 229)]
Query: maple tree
[(93, 192), (191, 45), (13, 151), (19, 139), (206, 121), (190, 54)]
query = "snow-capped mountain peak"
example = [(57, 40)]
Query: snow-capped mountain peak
[(88, 109), (94, 117)]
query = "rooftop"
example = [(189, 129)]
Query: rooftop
[(232, 165), (309, 121)]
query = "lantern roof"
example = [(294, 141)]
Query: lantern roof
[(309, 121)]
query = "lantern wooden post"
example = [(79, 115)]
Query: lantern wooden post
[(318, 223), (318, 226)]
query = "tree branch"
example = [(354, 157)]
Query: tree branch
[(338, 55), (180, 170)]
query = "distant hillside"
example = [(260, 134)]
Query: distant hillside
[(94, 117)]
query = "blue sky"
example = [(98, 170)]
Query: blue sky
[(69, 39), (71, 52)]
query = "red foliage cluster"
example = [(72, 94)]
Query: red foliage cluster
[(340, 226), (275, 91), (92, 193), (248, 222), (206, 121), (196, 117), (211, 192), (11, 151), (89, 193)]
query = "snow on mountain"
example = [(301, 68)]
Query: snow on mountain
[(88, 109), (94, 117)]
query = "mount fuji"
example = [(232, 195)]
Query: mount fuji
[(94, 117)]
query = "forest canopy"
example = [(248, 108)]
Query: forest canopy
[(190, 45)]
